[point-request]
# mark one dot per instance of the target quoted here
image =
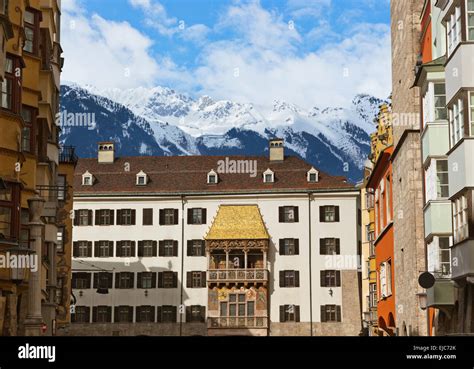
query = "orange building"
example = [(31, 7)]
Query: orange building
[(380, 181)]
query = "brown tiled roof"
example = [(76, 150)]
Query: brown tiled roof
[(188, 174)]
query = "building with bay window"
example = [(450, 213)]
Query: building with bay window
[(175, 246)]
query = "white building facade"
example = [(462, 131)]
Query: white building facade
[(175, 246)]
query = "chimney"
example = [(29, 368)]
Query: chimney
[(277, 149), (105, 152)]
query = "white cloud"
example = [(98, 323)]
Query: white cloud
[(308, 8), (156, 16)]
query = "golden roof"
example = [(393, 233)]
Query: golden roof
[(238, 222)]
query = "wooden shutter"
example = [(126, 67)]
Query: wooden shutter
[(89, 217), (175, 248), (96, 248), (132, 279), (189, 279), (134, 216), (76, 217), (297, 313), (322, 246), (161, 251), (118, 252), (75, 249), (117, 280), (190, 248), (297, 246), (89, 249), (337, 213), (204, 221), (96, 280), (296, 212), (119, 217), (323, 313), (111, 214), (160, 281), (109, 314), (190, 217), (282, 278), (281, 214), (282, 313), (139, 280), (338, 313), (153, 280), (162, 216), (138, 310), (175, 310), (188, 312), (147, 216), (109, 280), (74, 280), (297, 278), (282, 247), (338, 246), (203, 314), (175, 280), (154, 248), (338, 278), (203, 248), (321, 214), (158, 314), (111, 248), (323, 278), (133, 244), (94, 314), (176, 215), (140, 249), (130, 314), (97, 217), (203, 279)]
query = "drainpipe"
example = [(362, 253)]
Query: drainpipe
[(182, 267), (310, 268)]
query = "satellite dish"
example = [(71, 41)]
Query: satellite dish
[(426, 280)]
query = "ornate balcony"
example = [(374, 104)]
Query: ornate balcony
[(67, 155), (237, 275), (238, 322)]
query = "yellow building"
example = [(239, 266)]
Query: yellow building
[(30, 191)]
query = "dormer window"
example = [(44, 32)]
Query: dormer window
[(87, 179), (268, 176), (142, 179), (212, 177), (313, 175)]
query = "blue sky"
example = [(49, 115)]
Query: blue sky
[(304, 51)]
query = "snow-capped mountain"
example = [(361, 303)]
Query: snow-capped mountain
[(161, 121)]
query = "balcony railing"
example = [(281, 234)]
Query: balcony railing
[(67, 155), (238, 322), (237, 275)]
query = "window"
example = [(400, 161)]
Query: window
[(289, 246), (372, 295), (147, 248), (168, 248), (329, 214), (83, 217), (385, 277), (102, 314), (212, 177), (103, 249), (313, 175), (167, 314), (123, 314), (125, 249), (81, 281), (167, 280), (27, 134), (124, 280), (388, 199), (330, 278), (169, 216), (126, 217), (195, 313), (10, 87), (25, 231), (453, 29), (329, 246), (104, 217), (268, 176), (460, 219), (146, 280), (289, 313), (196, 248), (60, 240), (103, 280), (440, 110), (237, 305), (82, 249), (142, 179), (31, 31), (456, 122), (289, 278), (442, 179), (288, 214), (330, 313), (62, 190), (471, 112), (444, 256), (147, 216), (196, 279), (369, 198), (470, 20), (145, 314), (81, 314), (87, 179), (197, 216)]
